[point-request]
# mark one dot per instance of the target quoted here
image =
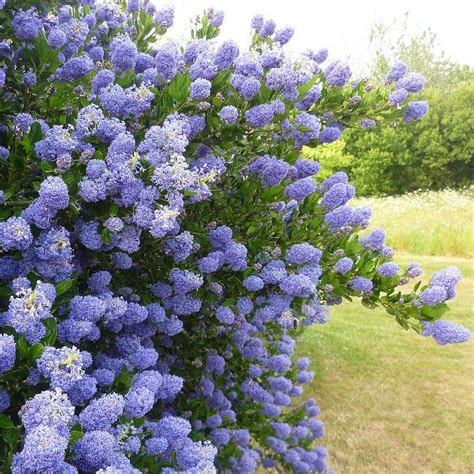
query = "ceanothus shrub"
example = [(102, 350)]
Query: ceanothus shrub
[(163, 243)]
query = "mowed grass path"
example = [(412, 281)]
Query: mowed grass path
[(391, 400)]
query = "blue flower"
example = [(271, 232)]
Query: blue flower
[(257, 22), (284, 35), (229, 114), (167, 61), (398, 96), (344, 265), (101, 413), (226, 54), (123, 52), (56, 142), (415, 111), (44, 450), (156, 445), (165, 17), (200, 89), (397, 71), (413, 82), (173, 429), (360, 283), (447, 332), (5, 400), (433, 295), (300, 189), (268, 28), (27, 24), (375, 240), (15, 233), (253, 283), (138, 402), (299, 254), (95, 450), (28, 308), (57, 38), (337, 73), (225, 315), (63, 366), (102, 79), (216, 17), (75, 68), (297, 285), (260, 115), (7, 352), (388, 269), (329, 134), (48, 408)]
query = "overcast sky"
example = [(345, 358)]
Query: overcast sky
[(342, 26)]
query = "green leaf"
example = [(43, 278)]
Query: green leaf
[(51, 331), (179, 87), (11, 437), (64, 286), (105, 234), (36, 134), (114, 209), (75, 435), (36, 351), (6, 422), (123, 381), (23, 348), (46, 167), (5, 291)]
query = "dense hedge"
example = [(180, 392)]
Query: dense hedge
[(435, 153), (163, 243)]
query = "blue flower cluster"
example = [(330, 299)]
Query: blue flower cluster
[(163, 243)]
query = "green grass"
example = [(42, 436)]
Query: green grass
[(429, 223), (391, 400)]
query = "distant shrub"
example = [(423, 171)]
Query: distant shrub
[(433, 154)]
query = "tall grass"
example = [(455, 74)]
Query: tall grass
[(427, 223)]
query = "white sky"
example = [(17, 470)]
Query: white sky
[(342, 26)]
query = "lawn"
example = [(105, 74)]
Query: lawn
[(393, 401)]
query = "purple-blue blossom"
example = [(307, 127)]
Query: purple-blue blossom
[(253, 283), (337, 73), (229, 114), (415, 111), (360, 283), (343, 265), (398, 96), (446, 332), (200, 89), (397, 71), (388, 269), (301, 188), (412, 82), (283, 35), (123, 52), (27, 24), (101, 413), (7, 352)]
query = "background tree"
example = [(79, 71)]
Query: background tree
[(435, 153)]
